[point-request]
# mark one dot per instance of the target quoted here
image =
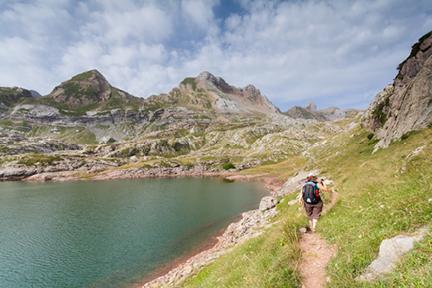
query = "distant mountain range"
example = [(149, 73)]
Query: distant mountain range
[(201, 124), (311, 112), (89, 93)]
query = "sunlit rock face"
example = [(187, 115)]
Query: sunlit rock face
[(406, 104)]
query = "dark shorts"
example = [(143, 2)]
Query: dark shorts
[(313, 211)]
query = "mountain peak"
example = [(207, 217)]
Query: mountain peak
[(207, 91), (90, 90), (205, 75), (89, 75), (312, 107)]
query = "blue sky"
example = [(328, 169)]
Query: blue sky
[(336, 53)]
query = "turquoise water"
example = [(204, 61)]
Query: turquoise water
[(109, 233)]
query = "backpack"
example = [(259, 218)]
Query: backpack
[(311, 193)]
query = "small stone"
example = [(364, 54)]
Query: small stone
[(133, 158), (106, 140), (303, 230), (292, 202)]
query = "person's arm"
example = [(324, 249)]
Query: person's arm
[(300, 196)]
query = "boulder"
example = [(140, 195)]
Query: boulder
[(294, 183), (133, 158), (390, 251), (15, 173), (267, 203), (107, 140)]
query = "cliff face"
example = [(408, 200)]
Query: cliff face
[(406, 104)]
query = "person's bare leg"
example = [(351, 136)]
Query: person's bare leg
[(310, 224), (314, 222)]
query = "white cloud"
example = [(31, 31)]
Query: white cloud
[(199, 12), (334, 52)]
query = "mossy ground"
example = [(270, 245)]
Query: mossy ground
[(78, 134)]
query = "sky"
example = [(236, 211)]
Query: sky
[(335, 52)]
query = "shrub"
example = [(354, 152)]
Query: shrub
[(228, 165), (190, 81), (379, 112)]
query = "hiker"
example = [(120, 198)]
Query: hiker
[(310, 196)]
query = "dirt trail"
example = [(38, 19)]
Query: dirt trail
[(316, 254)]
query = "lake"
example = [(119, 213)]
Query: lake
[(109, 233)]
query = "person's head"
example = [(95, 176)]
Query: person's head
[(311, 177)]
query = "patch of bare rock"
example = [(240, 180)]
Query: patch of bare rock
[(390, 252)]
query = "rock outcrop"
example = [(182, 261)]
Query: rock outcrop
[(390, 251), (267, 203), (406, 104)]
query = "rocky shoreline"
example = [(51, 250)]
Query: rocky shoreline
[(43, 175), (251, 224)]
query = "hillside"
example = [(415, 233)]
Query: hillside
[(202, 125), (89, 91), (10, 96), (211, 93), (382, 193), (375, 202)]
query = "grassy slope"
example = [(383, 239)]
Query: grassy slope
[(269, 260), (376, 201)]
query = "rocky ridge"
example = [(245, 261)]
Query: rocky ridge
[(406, 104), (201, 126), (311, 112)]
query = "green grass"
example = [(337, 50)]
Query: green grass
[(227, 166), (377, 201), (281, 170), (379, 113), (35, 159), (76, 135), (269, 260), (18, 125), (83, 76)]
